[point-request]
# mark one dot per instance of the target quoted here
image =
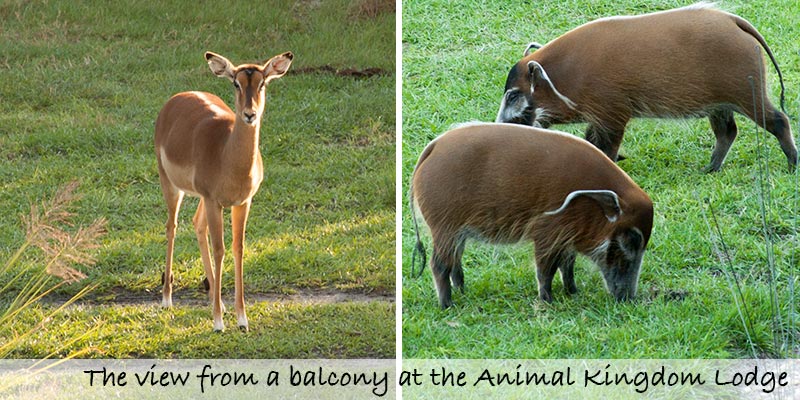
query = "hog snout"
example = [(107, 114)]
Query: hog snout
[(622, 285)]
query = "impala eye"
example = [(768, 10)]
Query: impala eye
[(236, 84)]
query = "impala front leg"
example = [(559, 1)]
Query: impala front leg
[(238, 223), (214, 220)]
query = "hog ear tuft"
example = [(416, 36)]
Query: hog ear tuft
[(607, 199), (537, 72), (538, 77), (531, 46)]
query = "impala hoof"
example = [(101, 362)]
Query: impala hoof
[(219, 326)]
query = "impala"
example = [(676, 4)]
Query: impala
[(206, 150)]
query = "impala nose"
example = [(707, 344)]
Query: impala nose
[(249, 117)]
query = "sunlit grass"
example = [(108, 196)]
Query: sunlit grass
[(82, 84)]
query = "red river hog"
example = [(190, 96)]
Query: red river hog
[(505, 183), (695, 61)]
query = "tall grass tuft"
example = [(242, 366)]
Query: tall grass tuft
[(24, 284), (783, 332)]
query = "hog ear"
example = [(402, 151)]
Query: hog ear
[(540, 80), (531, 46), (607, 199), (537, 75)]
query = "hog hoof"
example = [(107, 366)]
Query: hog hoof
[(572, 289), (546, 297)]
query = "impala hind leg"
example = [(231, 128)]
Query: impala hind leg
[(214, 221), (173, 198), (201, 231), (238, 225)]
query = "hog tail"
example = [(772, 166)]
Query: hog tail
[(746, 26), (419, 248)]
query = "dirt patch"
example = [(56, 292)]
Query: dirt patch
[(199, 297), (371, 8), (668, 294), (346, 72)]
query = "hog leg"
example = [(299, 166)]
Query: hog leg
[(567, 267), (457, 273), (724, 127), (606, 138), (776, 123), (779, 127), (547, 263), (443, 261)]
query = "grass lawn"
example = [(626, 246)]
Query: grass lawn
[(82, 84), (456, 57)]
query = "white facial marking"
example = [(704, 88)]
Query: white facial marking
[(502, 108), (599, 252), (508, 113)]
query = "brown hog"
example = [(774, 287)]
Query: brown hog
[(505, 183), (695, 61)]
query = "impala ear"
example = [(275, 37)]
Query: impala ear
[(277, 66), (219, 65), (606, 199)]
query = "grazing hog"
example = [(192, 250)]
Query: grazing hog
[(506, 183), (695, 61)]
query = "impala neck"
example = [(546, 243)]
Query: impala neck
[(242, 150)]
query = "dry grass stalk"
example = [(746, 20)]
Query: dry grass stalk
[(43, 229)]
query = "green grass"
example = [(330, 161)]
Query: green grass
[(277, 330), (82, 84), (455, 61)]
